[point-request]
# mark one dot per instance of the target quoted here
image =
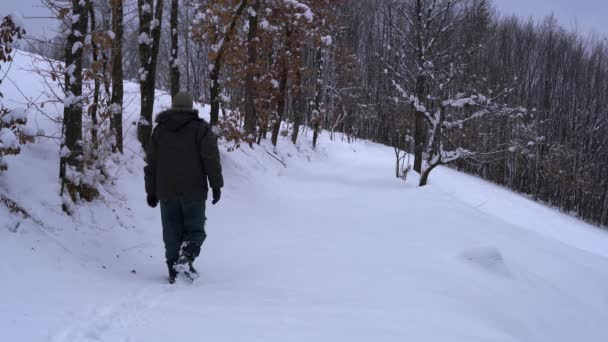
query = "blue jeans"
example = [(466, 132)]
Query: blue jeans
[(183, 228)]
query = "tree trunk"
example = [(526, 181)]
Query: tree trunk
[(214, 77), (604, 218), (117, 75), (72, 147), (215, 92), (97, 87), (282, 89), (434, 144), (173, 59), (316, 118), (298, 107), (397, 161), (424, 179), (149, 36), (250, 85), (187, 47), (420, 127)]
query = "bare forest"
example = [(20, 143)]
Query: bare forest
[(519, 102)]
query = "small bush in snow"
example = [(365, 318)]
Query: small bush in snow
[(11, 121), (12, 134), (230, 128)]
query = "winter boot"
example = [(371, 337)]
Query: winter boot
[(183, 267), (172, 272), (184, 263), (192, 270)]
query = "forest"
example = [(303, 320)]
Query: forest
[(519, 102)]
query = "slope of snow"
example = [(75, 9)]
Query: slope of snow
[(329, 248), (515, 209)]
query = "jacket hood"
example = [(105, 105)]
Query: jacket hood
[(175, 120)]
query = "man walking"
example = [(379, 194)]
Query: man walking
[(183, 162)]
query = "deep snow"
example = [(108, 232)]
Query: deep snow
[(329, 248)]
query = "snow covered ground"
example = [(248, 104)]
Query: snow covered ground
[(329, 248)]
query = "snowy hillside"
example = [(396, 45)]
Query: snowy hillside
[(328, 248)]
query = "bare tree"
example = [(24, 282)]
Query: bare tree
[(150, 24), (117, 73), (173, 59), (217, 26), (71, 162), (251, 72)]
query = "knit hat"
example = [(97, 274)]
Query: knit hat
[(182, 100)]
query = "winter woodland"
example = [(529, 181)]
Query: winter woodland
[(521, 103)]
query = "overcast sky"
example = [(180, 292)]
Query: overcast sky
[(585, 15), (31, 8)]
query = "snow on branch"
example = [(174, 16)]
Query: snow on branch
[(306, 11), (447, 157), (486, 107)]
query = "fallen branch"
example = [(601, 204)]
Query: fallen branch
[(277, 159), (15, 208)]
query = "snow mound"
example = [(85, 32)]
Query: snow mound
[(15, 114), (489, 259), (8, 139)]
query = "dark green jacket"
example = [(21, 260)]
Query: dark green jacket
[(182, 157)]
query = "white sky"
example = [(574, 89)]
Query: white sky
[(584, 15), (37, 27)]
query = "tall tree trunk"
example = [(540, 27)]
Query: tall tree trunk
[(282, 89), (214, 77), (604, 215), (250, 84), (422, 30), (72, 147), (419, 127), (215, 93), (187, 47), (298, 107), (97, 81), (316, 118), (149, 36), (117, 75), (173, 60)]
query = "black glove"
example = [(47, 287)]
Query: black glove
[(217, 195), (152, 201)]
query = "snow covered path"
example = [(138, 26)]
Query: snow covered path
[(331, 248), (341, 252)]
